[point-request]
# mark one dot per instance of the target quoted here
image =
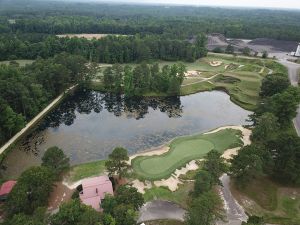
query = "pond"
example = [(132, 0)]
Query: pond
[(88, 125)]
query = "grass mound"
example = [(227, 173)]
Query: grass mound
[(182, 151)]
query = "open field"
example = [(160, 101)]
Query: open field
[(87, 36), (183, 150), (21, 62), (239, 76), (276, 203)]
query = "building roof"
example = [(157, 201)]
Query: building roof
[(94, 190), (7, 187)]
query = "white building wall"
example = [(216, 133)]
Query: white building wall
[(298, 51)]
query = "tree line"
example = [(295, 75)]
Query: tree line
[(24, 92), (143, 79), (275, 147), (178, 22), (111, 49)]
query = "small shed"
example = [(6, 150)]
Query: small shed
[(94, 190), (6, 188)]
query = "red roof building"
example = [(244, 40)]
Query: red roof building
[(94, 190), (6, 188)]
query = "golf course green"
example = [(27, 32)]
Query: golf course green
[(183, 150)]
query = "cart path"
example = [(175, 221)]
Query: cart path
[(34, 120)]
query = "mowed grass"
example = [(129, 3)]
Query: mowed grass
[(85, 170), (276, 203), (183, 150)]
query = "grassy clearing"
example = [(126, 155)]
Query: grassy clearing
[(276, 203), (85, 170), (180, 196), (182, 151), (21, 62)]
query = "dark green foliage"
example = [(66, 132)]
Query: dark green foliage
[(124, 215), (285, 151), (246, 51), (284, 105), (204, 182), (130, 196), (247, 165), (205, 209), (229, 49), (266, 128), (75, 213), (55, 159), (124, 205), (215, 164), (254, 220), (117, 162), (265, 54), (31, 191), (39, 217), (144, 78), (274, 84), (24, 92)]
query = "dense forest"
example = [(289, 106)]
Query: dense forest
[(24, 92), (111, 49), (57, 17), (143, 79)]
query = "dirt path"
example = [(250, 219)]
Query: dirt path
[(34, 120), (158, 209)]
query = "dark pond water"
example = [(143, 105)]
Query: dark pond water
[(88, 125)]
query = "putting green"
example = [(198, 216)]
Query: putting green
[(183, 150)]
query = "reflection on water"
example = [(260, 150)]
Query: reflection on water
[(88, 125)]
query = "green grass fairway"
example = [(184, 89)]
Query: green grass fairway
[(182, 151), (239, 76)]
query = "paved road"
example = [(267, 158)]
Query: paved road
[(293, 69), (158, 209), (235, 213)]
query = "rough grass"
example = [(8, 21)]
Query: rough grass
[(182, 151), (85, 170), (276, 203), (180, 196)]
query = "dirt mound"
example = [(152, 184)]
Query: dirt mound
[(216, 40), (278, 45)]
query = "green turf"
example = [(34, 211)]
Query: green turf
[(85, 170), (183, 150)]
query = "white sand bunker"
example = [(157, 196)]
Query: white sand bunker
[(215, 63), (192, 73)]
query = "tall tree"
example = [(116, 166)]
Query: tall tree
[(117, 162)]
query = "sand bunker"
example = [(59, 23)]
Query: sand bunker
[(173, 181), (192, 73), (215, 63)]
